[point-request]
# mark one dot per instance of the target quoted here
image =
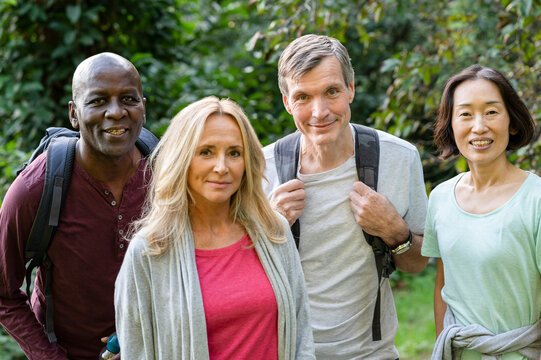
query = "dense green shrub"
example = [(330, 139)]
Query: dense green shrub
[(402, 51)]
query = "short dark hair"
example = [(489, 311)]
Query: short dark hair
[(520, 119)]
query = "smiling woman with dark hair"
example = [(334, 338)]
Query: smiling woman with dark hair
[(484, 226)]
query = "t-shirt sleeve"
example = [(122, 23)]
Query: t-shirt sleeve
[(538, 247), (271, 181), (416, 215), (430, 241)]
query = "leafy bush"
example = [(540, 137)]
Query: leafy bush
[(11, 160)]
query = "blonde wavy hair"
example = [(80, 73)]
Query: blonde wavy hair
[(166, 212)]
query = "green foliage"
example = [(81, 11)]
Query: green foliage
[(402, 51), (42, 42), (413, 296), (11, 160), (452, 36)]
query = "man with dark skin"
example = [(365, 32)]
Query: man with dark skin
[(106, 193)]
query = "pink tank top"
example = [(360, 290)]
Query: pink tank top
[(240, 306)]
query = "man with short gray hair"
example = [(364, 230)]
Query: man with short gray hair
[(333, 208)]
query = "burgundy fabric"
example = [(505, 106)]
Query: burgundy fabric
[(240, 306), (87, 251)]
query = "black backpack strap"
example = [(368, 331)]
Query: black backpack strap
[(146, 142), (367, 162), (286, 158), (60, 158), (50, 134), (60, 145)]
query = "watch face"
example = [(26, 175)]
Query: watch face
[(402, 248)]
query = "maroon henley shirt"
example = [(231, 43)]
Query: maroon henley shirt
[(87, 251)]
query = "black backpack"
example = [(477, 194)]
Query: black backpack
[(60, 145), (286, 156)]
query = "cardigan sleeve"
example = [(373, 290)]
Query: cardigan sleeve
[(292, 263), (133, 303)]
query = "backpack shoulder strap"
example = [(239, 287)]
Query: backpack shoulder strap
[(367, 155), (367, 163), (286, 158), (146, 142), (60, 145), (50, 134), (60, 159)]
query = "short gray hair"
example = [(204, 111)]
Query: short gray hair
[(305, 53)]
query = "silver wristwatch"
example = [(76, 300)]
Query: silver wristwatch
[(402, 248)]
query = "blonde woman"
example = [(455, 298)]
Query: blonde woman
[(212, 271)]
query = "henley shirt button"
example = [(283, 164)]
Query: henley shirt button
[(113, 203), (119, 217), (121, 231), (106, 192), (121, 246)]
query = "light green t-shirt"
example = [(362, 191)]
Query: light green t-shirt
[(492, 262)]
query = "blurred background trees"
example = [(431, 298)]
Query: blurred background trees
[(402, 51)]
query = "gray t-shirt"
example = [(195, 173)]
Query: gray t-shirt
[(338, 264)]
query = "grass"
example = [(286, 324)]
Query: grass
[(413, 298), (413, 295)]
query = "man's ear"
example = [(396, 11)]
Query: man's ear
[(351, 88), (72, 113), (145, 111), (286, 103)]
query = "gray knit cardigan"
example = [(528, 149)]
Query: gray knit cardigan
[(159, 307), (455, 338)]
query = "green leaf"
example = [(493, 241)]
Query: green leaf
[(32, 86), (73, 13), (69, 37), (526, 7)]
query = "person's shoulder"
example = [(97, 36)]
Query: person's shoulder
[(268, 151), (270, 180), (446, 186), (391, 142), (35, 171), (533, 182), (534, 178), (28, 185), (287, 244), (138, 243)]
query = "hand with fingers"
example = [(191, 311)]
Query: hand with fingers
[(377, 215), (289, 200)]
